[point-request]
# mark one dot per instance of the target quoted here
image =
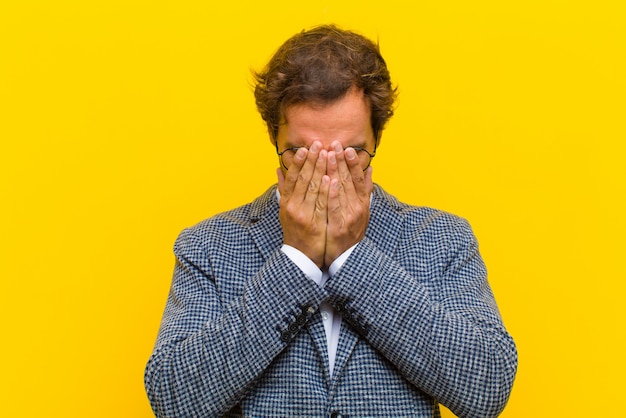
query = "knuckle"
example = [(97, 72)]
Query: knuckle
[(293, 211), (291, 176)]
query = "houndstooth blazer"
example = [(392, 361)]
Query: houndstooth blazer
[(242, 335)]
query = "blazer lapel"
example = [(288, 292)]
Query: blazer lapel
[(315, 328), (348, 339)]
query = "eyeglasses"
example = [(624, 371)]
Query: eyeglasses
[(286, 156)]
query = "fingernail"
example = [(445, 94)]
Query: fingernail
[(315, 147), (301, 153), (338, 147), (321, 155), (331, 157), (350, 154)]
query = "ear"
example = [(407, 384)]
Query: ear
[(281, 179), (377, 137), (271, 136)]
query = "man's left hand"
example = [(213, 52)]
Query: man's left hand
[(348, 201)]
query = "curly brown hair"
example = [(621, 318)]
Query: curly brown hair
[(320, 66)]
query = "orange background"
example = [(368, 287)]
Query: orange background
[(122, 122)]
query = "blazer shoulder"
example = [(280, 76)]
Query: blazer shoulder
[(230, 223), (414, 216)]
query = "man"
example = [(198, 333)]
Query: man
[(326, 296)]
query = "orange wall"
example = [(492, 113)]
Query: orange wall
[(121, 122)]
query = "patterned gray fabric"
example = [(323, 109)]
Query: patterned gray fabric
[(242, 336)]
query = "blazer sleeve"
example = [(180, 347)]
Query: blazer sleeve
[(208, 353), (429, 309)]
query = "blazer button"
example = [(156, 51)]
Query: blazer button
[(293, 327), (301, 319), (337, 414), (285, 336)]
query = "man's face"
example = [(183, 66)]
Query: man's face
[(347, 120)]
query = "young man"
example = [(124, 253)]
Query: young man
[(326, 296)]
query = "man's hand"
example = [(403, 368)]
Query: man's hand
[(304, 202), (324, 202), (348, 201)]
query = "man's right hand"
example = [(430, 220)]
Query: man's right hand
[(304, 202)]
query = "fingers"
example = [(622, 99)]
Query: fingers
[(302, 171), (321, 204), (291, 176), (336, 201), (355, 174), (346, 167), (315, 183)]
